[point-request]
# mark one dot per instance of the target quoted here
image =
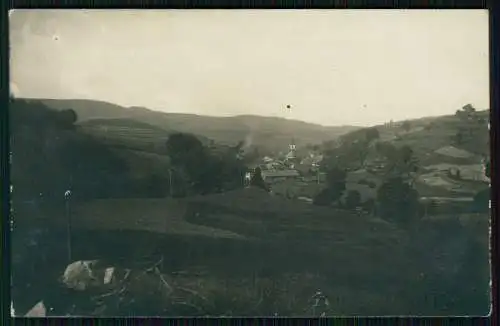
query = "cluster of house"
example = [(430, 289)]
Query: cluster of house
[(289, 167)]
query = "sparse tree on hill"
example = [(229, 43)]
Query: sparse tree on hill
[(398, 202), (468, 112), (468, 115), (469, 109)]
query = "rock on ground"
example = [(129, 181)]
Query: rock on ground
[(79, 275)]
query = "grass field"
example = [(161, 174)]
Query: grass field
[(128, 136), (247, 259)]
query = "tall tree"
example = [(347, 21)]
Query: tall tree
[(186, 150), (188, 154), (335, 180), (398, 202)]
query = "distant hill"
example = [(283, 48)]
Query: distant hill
[(426, 136), (267, 133)]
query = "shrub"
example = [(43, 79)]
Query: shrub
[(398, 202)]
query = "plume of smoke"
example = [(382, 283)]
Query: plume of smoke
[(247, 143)]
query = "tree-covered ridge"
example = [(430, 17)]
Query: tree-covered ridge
[(49, 156), (51, 153)]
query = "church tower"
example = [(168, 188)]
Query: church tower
[(291, 156)]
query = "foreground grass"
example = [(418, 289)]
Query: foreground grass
[(238, 258)]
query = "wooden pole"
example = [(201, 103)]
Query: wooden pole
[(170, 181), (68, 219)]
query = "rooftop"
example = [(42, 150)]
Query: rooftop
[(279, 173)]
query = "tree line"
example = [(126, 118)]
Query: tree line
[(50, 155)]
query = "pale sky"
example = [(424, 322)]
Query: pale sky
[(334, 67)]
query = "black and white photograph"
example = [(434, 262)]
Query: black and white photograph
[(234, 163)]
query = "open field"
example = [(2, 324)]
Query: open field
[(122, 133), (282, 250)]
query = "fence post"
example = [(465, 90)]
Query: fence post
[(67, 197)]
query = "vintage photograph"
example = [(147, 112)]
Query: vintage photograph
[(229, 163)]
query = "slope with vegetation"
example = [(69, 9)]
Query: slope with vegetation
[(446, 166), (267, 133), (241, 251), (428, 177)]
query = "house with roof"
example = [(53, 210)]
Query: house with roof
[(272, 176)]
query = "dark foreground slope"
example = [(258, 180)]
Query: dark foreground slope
[(248, 253)]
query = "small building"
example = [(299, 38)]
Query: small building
[(271, 176)]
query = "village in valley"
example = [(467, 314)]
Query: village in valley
[(297, 173), (372, 187), (157, 168)]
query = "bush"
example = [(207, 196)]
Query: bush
[(398, 202), (206, 171)]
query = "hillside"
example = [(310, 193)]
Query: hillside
[(126, 134), (267, 133), (244, 251), (437, 151), (441, 130)]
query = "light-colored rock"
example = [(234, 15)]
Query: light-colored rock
[(38, 310), (79, 275), (108, 275)]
